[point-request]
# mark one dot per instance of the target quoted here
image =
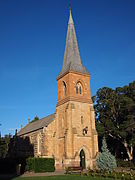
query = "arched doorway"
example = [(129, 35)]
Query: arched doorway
[(82, 159)]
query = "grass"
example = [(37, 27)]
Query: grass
[(63, 177)]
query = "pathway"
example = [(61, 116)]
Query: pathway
[(30, 174)]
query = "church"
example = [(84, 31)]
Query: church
[(69, 135)]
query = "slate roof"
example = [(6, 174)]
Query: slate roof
[(72, 60), (33, 126)]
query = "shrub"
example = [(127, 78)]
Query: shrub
[(112, 175), (67, 170), (29, 164), (40, 164), (105, 160), (44, 165), (122, 163)]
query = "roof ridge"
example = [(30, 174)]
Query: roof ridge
[(46, 116), (37, 124)]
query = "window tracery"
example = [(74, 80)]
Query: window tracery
[(78, 88)]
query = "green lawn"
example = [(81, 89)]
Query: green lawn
[(63, 177)]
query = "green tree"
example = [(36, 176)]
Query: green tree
[(4, 142), (105, 160), (36, 118), (115, 115)]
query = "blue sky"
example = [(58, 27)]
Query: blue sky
[(32, 43)]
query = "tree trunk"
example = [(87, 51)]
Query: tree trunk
[(129, 150)]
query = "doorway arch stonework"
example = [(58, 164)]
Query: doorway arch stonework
[(88, 159)]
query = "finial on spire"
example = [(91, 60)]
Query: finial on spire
[(70, 5), (70, 15)]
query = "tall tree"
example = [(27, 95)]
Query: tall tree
[(115, 115), (4, 142)]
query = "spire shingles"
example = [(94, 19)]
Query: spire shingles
[(72, 60)]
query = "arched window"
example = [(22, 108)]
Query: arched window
[(78, 88), (65, 88)]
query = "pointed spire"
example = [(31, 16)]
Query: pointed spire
[(70, 18), (72, 60)]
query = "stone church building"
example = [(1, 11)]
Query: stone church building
[(69, 135)]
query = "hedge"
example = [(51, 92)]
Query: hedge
[(40, 164)]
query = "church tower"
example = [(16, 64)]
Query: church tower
[(76, 142)]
